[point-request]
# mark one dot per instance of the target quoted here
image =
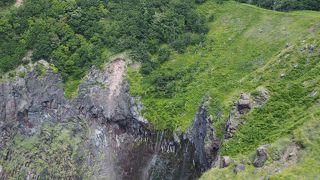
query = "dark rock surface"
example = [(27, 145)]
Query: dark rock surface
[(243, 106), (202, 135), (104, 102), (186, 156), (116, 142), (261, 156)]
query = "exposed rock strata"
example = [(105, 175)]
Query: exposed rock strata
[(104, 101), (117, 143)]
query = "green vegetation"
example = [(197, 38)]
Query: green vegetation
[(286, 5), (242, 52), (237, 44), (74, 35), (307, 167), (6, 2), (187, 50), (53, 153)]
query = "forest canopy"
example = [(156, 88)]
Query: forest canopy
[(74, 35)]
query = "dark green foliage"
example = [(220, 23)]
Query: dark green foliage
[(286, 5), (142, 26), (63, 32), (164, 54), (6, 2), (73, 34), (167, 85)]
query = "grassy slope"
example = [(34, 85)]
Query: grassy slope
[(245, 49)]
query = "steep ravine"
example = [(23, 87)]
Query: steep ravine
[(102, 130)]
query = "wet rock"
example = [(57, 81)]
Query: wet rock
[(226, 160), (240, 167), (261, 156), (188, 155), (200, 131)]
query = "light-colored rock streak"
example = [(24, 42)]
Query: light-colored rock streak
[(115, 73), (18, 3)]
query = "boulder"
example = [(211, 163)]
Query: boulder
[(261, 156), (226, 160), (232, 123), (244, 105), (240, 167)]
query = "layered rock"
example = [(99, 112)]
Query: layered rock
[(202, 135), (104, 102), (113, 138)]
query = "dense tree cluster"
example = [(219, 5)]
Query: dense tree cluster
[(72, 35), (286, 5), (142, 26), (6, 2), (63, 32)]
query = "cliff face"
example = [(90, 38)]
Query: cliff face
[(102, 130), (111, 114)]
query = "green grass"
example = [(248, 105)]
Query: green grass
[(71, 88), (235, 48), (307, 167), (245, 49)]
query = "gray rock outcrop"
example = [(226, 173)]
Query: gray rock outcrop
[(115, 140), (202, 135), (260, 97), (240, 167), (261, 156), (243, 106), (114, 118), (226, 161)]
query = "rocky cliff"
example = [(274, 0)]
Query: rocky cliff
[(98, 134)]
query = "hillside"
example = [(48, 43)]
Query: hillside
[(158, 89), (246, 48)]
